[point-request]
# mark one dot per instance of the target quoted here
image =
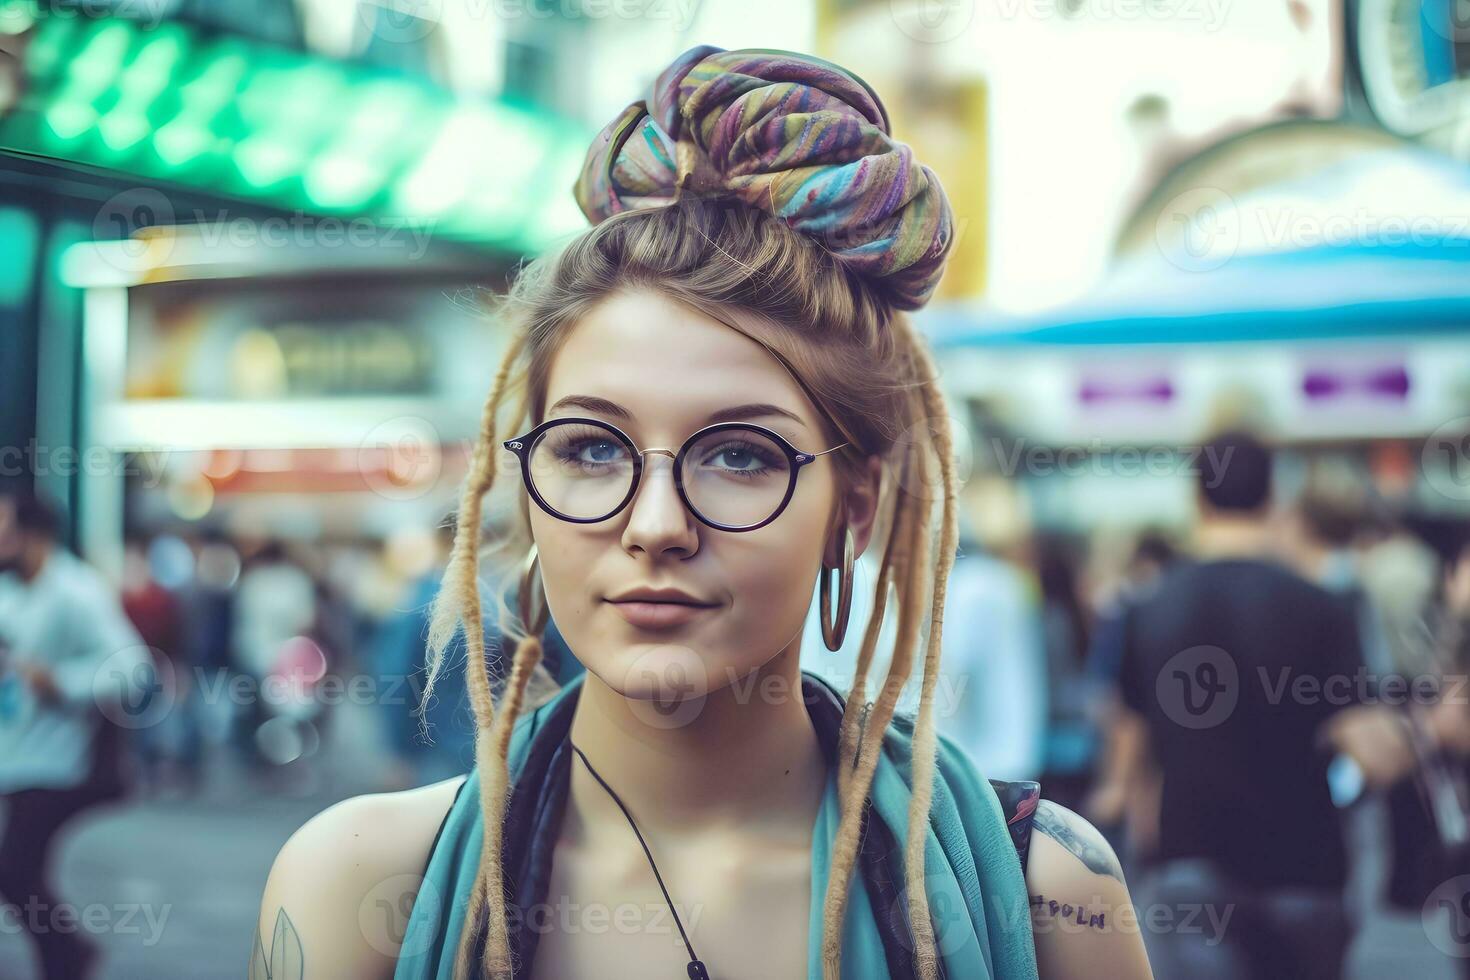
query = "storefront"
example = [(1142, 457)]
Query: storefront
[(219, 240), (266, 389), (1330, 311)]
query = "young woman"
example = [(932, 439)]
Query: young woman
[(712, 395)]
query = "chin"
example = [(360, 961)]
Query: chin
[(655, 671)]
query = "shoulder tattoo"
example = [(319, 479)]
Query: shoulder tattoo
[(285, 961), (1079, 837)]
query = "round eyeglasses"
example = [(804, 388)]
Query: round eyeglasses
[(733, 476)]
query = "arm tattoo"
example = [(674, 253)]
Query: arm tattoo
[(1067, 913), (1082, 839), (286, 961)]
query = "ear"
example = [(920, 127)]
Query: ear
[(860, 505)]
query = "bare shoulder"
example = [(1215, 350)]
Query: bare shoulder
[(342, 886), (1081, 913)]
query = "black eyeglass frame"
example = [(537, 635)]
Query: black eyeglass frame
[(796, 459)]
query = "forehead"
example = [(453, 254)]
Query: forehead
[(669, 364)]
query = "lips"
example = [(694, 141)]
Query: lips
[(658, 615), (645, 594)]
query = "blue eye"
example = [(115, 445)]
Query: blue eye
[(597, 450), (738, 457), (586, 448)]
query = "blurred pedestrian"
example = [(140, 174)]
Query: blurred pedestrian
[(73, 665), (424, 745), (206, 622), (1071, 740), (1401, 574), (1321, 532), (1239, 680), (995, 667), (275, 606), (434, 740), (1124, 785), (1153, 554), (1429, 810), (154, 613)]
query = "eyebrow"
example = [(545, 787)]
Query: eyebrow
[(736, 413)]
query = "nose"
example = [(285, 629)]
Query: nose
[(658, 521)]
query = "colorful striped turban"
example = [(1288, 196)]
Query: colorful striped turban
[(787, 133)]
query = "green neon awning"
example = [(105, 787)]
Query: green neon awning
[(241, 118)]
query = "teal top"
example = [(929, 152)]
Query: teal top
[(974, 857)]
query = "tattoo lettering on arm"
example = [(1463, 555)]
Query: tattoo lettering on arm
[(1079, 837), (286, 960), (1079, 914)]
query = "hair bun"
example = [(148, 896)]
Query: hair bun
[(787, 133)]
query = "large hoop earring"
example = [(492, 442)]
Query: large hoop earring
[(833, 631), (530, 581)]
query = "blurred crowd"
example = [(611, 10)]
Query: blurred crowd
[(219, 660), (1231, 703), (1264, 713)]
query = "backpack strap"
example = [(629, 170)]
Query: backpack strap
[(1018, 799)]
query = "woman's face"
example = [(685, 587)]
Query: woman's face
[(658, 371)]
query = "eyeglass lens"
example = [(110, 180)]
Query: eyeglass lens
[(734, 477)]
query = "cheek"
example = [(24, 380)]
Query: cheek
[(773, 588), (772, 578), (564, 556)]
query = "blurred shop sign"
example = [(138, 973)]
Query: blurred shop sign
[(1313, 278), (266, 341), (1095, 389), (194, 343), (1379, 384), (172, 102)]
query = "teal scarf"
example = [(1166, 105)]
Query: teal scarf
[(973, 857)]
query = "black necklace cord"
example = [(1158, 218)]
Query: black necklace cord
[(697, 970)]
